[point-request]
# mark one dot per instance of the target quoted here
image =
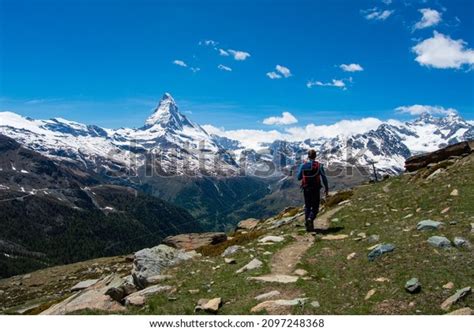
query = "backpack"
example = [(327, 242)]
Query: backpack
[(312, 177)]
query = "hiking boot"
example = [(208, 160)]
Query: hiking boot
[(309, 225)]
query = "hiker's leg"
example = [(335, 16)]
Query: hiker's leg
[(315, 203), (307, 210)]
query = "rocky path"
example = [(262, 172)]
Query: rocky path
[(324, 221), (284, 261)]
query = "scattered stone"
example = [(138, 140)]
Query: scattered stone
[(230, 261), (252, 265), (379, 250), (27, 276), (157, 279), (248, 224), (472, 227), (351, 256), (231, 250), (382, 279), (335, 220), (150, 262), (196, 291), (373, 238), (454, 193), (439, 242), (436, 173), (209, 305), (362, 235), (408, 216), (275, 239), (335, 237), (139, 298), (446, 305), (300, 272), (370, 294), (84, 284), (449, 285), (278, 306), (283, 279), (445, 210), (462, 311), (453, 223), (413, 285), (193, 241), (268, 295), (267, 253), (461, 242), (315, 304), (428, 225)]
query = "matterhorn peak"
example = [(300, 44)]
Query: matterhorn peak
[(166, 112)]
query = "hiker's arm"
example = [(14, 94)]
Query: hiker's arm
[(325, 179), (300, 172)]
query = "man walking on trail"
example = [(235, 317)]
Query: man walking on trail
[(311, 173)]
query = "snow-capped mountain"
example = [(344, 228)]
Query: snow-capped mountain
[(170, 143)]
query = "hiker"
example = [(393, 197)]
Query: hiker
[(311, 173)]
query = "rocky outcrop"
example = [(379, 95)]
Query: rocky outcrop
[(248, 224), (421, 161), (150, 262), (139, 298), (193, 241)]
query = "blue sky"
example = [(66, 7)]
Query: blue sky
[(108, 62)]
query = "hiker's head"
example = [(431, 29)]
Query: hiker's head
[(311, 154)]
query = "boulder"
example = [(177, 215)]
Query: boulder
[(421, 161), (84, 284), (278, 306), (282, 279), (413, 285), (461, 242), (139, 298), (248, 224), (428, 225), (268, 295), (273, 239), (231, 250), (93, 297), (439, 242), (446, 305), (254, 264), (379, 250), (193, 241), (150, 262), (209, 305)]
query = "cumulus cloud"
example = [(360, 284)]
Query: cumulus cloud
[(180, 63), (340, 83), (223, 67), (353, 67), (195, 69), (208, 43), (283, 70), (273, 75), (421, 109), (239, 55), (442, 52), (430, 17), (286, 118), (376, 14), (223, 52)]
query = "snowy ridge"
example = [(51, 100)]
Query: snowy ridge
[(184, 147)]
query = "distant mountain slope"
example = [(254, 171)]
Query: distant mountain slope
[(54, 214)]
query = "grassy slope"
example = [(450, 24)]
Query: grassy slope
[(341, 285)]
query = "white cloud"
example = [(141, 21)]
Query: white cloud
[(376, 14), (223, 52), (195, 69), (239, 55), (333, 83), (273, 75), (286, 118), (180, 63), (223, 67), (442, 52), (255, 138), (208, 43), (353, 67), (420, 109), (430, 17), (283, 70)]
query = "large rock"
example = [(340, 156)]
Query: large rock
[(439, 242), (193, 241), (94, 297), (209, 305), (446, 305), (273, 239), (231, 250), (421, 161), (461, 242), (150, 262), (428, 225), (139, 298), (248, 224), (268, 295), (252, 265), (379, 250), (84, 284), (278, 306)]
